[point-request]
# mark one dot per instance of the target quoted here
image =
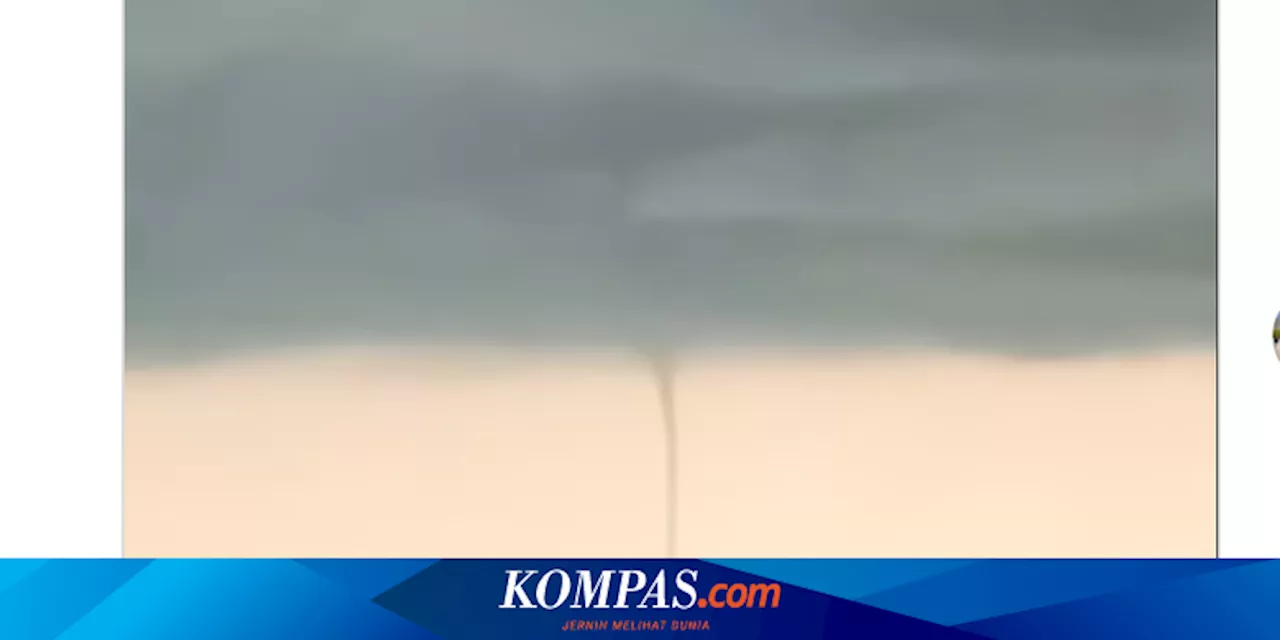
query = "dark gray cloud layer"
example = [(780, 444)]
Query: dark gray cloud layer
[(990, 173)]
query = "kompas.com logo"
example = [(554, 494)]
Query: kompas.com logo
[(632, 588)]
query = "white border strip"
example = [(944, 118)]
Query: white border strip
[(1248, 280), (61, 278)]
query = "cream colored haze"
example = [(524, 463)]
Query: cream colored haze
[(458, 452)]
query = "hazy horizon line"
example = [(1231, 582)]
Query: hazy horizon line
[(431, 349)]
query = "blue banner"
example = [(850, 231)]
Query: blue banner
[(734, 599)]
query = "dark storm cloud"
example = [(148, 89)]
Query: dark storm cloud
[(333, 133), (1159, 26), (803, 170)]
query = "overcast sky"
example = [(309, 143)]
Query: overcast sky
[(996, 171)]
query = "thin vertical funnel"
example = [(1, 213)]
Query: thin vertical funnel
[(664, 372)]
